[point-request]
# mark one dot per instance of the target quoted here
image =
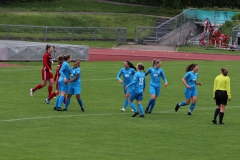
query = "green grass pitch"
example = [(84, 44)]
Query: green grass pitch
[(30, 129)]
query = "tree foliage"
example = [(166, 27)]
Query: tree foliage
[(14, 1), (186, 3)]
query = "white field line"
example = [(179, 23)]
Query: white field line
[(109, 114)]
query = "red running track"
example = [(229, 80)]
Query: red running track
[(139, 55)]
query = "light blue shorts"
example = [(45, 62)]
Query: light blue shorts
[(137, 96), (189, 93), (62, 86), (73, 90), (154, 90), (129, 90)]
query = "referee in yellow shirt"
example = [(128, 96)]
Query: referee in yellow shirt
[(221, 94)]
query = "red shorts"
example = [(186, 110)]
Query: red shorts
[(46, 75)]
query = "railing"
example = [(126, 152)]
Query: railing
[(46, 33), (234, 38), (156, 33)]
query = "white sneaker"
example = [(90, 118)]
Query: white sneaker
[(123, 110), (132, 110), (31, 92)]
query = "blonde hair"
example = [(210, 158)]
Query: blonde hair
[(155, 61)]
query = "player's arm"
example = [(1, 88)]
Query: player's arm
[(56, 73), (144, 84), (184, 80), (199, 83), (214, 87), (45, 60), (148, 71), (74, 79), (119, 75), (133, 82), (64, 67), (164, 79), (228, 89)]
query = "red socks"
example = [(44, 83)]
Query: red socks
[(37, 87), (49, 90), (52, 95)]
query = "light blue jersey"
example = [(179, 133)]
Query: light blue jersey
[(64, 71), (75, 86), (191, 78), (127, 75), (74, 72), (156, 74), (138, 82)]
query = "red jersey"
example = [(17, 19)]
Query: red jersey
[(57, 74), (47, 62)]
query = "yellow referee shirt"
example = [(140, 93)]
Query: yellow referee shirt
[(222, 82)]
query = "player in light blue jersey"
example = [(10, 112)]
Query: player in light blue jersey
[(75, 86), (63, 82), (138, 84), (190, 81), (127, 72), (156, 73)]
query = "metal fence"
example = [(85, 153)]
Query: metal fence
[(47, 33), (154, 34), (235, 33)]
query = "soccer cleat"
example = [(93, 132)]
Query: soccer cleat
[(59, 109), (214, 121), (142, 116), (31, 92), (64, 109), (54, 108), (177, 107), (123, 109), (146, 110), (82, 109), (135, 113), (222, 123), (149, 112), (189, 113), (47, 101)]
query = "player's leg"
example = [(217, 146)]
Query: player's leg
[(152, 99), (194, 100), (125, 103), (187, 94)]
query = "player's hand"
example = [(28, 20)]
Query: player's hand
[(120, 81), (65, 80), (165, 84), (50, 71), (188, 86), (200, 83)]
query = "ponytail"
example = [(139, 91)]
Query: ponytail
[(224, 71), (131, 65)]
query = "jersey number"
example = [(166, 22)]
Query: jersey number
[(141, 81)]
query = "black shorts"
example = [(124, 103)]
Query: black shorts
[(221, 97)]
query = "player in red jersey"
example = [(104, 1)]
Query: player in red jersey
[(56, 77), (47, 74)]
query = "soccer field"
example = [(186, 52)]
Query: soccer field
[(31, 129)]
